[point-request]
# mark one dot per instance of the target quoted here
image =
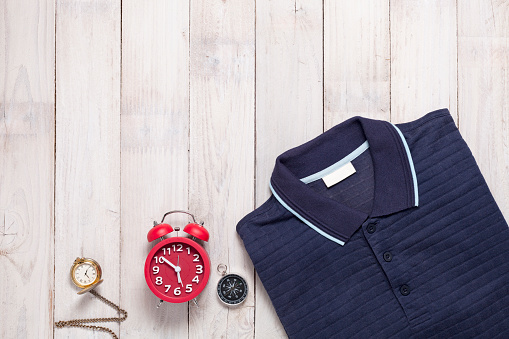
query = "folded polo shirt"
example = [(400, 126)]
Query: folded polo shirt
[(385, 231)]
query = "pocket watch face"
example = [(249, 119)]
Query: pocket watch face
[(85, 272), (232, 289)]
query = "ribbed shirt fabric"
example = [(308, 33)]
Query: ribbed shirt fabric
[(412, 245)]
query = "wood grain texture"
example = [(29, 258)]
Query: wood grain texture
[(155, 144), (356, 60), (289, 102), (27, 133), (423, 58), (87, 195), (483, 73), (166, 105), (221, 190)]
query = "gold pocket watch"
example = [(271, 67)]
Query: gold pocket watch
[(86, 274)]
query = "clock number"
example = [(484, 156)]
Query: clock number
[(159, 260), (199, 269), (188, 250), (155, 270), (167, 288), (189, 288), (176, 291), (159, 281), (196, 257), (164, 250), (195, 279), (179, 248)]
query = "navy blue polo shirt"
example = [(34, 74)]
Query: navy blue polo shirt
[(382, 230)]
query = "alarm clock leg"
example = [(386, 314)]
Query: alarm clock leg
[(159, 303), (195, 302)]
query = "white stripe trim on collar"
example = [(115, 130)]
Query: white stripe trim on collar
[(411, 162), (350, 157), (304, 220)]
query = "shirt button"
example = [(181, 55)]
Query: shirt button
[(404, 290), (387, 256), (371, 228)]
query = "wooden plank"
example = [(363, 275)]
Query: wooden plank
[(483, 90), (221, 189), (87, 197), (155, 143), (356, 60), (423, 58), (289, 102), (27, 132)]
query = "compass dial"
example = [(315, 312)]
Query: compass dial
[(232, 289)]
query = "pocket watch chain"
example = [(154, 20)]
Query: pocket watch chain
[(81, 322)]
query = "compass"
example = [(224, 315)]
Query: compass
[(232, 289)]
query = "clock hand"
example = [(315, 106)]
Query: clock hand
[(178, 271), (169, 263), (179, 279), (176, 268)]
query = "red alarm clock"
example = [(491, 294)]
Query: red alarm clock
[(177, 269)]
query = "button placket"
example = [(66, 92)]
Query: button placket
[(385, 252)]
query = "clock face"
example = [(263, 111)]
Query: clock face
[(232, 289), (177, 269), (85, 273)]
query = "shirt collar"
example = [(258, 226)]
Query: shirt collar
[(394, 176)]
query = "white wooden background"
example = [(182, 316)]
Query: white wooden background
[(113, 112)]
